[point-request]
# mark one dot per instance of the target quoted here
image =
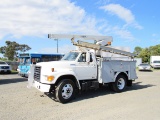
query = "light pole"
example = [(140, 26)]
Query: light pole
[(57, 44)]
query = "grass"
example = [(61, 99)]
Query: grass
[(14, 72)]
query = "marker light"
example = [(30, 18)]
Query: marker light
[(52, 69)]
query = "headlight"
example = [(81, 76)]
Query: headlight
[(50, 78)]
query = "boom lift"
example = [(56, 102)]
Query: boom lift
[(97, 46)]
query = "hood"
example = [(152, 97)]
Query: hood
[(57, 64), (4, 65)]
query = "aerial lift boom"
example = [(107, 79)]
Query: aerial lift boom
[(96, 46)]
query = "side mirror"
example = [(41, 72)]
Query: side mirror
[(87, 57)]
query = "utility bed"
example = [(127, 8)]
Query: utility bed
[(109, 68)]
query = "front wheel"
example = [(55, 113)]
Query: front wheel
[(119, 84), (65, 91)]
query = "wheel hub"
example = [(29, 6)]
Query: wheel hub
[(121, 83), (67, 91)]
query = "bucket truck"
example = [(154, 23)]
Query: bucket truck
[(83, 69)]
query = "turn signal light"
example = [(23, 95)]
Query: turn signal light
[(50, 78), (109, 43)]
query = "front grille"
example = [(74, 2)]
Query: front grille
[(37, 73), (5, 67)]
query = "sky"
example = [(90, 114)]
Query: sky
[(131, 23)]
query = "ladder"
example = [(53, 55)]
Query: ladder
[(104, 48), (92, 45)]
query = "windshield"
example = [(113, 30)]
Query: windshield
[(21, 60), (28, 61), (24, 60), (2, 63), (144, 64), (156, 61), (71, 56)]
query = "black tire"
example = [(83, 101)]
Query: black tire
[(65, 91), (120, 83)]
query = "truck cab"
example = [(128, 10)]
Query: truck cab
[(81, 65), (75, 67), (155, 61)]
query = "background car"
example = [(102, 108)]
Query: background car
[(4, 67), (144, 67)]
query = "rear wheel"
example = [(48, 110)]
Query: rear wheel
[(119, 84), (65, 91)]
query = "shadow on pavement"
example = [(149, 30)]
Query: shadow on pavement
[(145, 70), (104, 90), (14, 80), (137, 86), (9, 73)]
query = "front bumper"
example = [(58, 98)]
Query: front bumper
[(145, 69), (23, 74), (156, 66), (42, 87), (5, 71)]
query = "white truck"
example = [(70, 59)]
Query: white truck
[(83, 69), (155, 61)]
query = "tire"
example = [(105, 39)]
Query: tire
[(65, 91), (120, 83)]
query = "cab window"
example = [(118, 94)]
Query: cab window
[(82, 58)]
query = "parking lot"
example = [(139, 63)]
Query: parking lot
[(141, 101)]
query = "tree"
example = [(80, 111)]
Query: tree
[(12, 48), (155, 50), (145, 55), (137, 50)]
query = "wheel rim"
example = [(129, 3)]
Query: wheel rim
[(67, 91), (120, 83)]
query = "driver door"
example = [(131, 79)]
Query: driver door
[(86, 70)]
